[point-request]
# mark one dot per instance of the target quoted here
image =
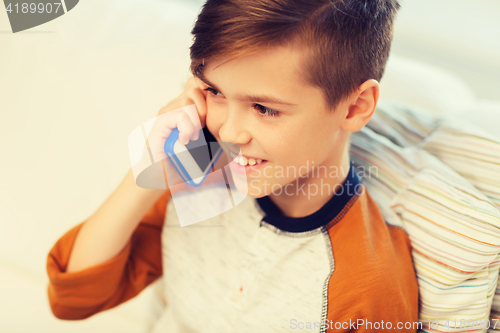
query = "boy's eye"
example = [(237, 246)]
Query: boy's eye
[(213, 92), (263, 111), (266, 112)]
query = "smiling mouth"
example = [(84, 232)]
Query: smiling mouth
[(240, 159), (245, 160)]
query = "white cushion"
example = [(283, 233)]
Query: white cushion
[(425, 86), (484, 114)]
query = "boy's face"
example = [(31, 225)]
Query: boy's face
[(291, 131)]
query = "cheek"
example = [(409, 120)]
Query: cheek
[(212, 105), (298, 149), (282, 151)]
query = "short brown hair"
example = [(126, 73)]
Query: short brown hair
[(346, 41)]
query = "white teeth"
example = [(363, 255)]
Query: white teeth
[(242, 160)]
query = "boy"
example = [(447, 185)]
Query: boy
[(308, 249)]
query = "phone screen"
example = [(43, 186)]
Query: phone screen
[(200, 152)]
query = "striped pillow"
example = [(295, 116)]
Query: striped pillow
[(470, 151), (454, 227)]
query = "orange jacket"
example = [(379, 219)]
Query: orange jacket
[(79, 295), (368, 254)]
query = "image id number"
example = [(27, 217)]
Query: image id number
[(33, 8)]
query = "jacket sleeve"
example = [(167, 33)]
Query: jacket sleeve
[(81, 294)]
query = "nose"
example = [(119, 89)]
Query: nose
[(235, 129)]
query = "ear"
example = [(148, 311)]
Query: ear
[(361, 106)]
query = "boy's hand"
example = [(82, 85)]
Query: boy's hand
[(188, 113), (192, 94)]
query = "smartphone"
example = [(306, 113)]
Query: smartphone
[(195, 160)]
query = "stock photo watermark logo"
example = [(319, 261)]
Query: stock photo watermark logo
[(25, 14), (200, 181)]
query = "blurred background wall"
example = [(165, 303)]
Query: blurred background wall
[(461, 36)]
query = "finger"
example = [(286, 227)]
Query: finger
[(185, 127), (199, 83), (196, 135), (197, 96), (164, 124), (190, 82), (192, 112), (160, 130)]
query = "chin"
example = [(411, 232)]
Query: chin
[(256, 194), (251, 189)]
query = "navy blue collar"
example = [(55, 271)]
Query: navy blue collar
[(323, 216)]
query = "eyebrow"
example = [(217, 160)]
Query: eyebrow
[(247, 98)]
